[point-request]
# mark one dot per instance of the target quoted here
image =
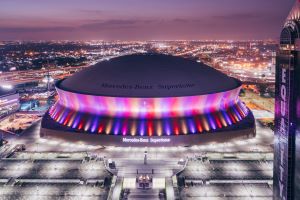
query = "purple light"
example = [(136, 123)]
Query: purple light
[(243, 108), (167, 127), (95, 124), (142, 128), (76, 122), (117, 126), (237, 113), (211, 121), (191, 124), (64, 116)]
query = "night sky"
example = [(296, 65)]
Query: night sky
[(142, 19)]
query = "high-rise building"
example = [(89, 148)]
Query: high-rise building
[(287, 112), (273, 63)]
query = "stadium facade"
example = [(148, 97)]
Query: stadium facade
[(287, 111), (149, 100), (9, 101)]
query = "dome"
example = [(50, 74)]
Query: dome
[(148, 100), (148, 76)]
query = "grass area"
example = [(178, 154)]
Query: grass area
[(256, 102)]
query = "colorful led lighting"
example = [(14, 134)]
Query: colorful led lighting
[(133, 128), (124, 127), (159, 128), (108, 127), (191, 125), (149, 125), (95, 124), (142, 128)]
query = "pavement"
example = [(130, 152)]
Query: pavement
[(162, 162)]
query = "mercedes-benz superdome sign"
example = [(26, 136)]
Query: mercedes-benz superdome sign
[(145, 140)]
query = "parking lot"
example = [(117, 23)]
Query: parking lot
[(216, 179), (56, 169), (29, 175), (229, 170), (45, 191), (228, 191)]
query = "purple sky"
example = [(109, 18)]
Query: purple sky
[(141, 19)]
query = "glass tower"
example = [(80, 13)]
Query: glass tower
[(287, 111)]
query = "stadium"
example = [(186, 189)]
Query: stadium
[(148, 100), (9, 101)]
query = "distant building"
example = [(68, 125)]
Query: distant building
[(9, 101), (273, 64), (287, 112)]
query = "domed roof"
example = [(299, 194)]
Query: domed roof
[(148, 75)]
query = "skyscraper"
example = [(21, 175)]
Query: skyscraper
[(287, 110)]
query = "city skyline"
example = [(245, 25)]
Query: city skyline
[(159, 100), (136, 20)]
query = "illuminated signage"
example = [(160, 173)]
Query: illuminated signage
[(282, 135), (147, 87), (145, 140)]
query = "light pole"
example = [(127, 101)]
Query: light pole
[(145, 158)]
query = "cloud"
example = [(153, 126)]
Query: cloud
[(35, 29), (91, 12), (94, 25), (180, 20), (209, 27), (116, 23), (239, 16)]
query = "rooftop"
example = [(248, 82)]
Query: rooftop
[(148, 75)]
